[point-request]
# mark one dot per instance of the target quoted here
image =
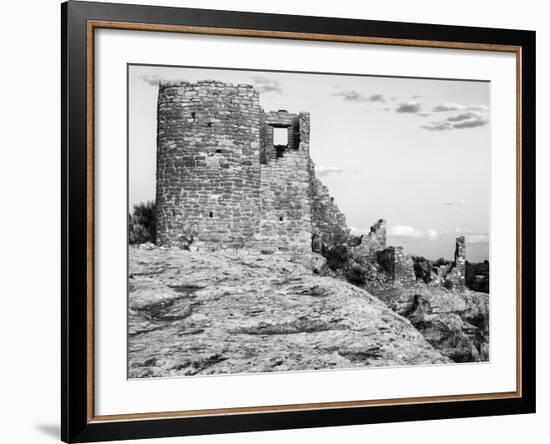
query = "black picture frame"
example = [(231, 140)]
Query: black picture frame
[(77, 425)]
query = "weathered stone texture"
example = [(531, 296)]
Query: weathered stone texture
[(374, 241), (457, 275), (221, 180), (208, 173), (285, 222), (328, 221), (397, 265)]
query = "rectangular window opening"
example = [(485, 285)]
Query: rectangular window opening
[(280, 136)]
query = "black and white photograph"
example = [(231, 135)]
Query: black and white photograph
[(297, 221)]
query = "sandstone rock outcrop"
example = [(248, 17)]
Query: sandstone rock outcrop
[(228, 312), (456, 323)]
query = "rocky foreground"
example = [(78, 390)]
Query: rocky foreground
[(455, 323), (197, 313)]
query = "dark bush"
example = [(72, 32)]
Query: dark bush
[(440, 261), (142, 224), (337, 256), (356, 275)]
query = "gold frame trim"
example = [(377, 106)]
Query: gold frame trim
[(97, 24)]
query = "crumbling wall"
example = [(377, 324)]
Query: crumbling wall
[(398, 266), (374, 241), (328, 222), (456, 277), (208, 168)]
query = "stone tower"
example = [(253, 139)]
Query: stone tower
[(230, 175), (208, 169)]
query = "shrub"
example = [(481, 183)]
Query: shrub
[(142, 224), (440, 261), (356, 275), (337, 257)]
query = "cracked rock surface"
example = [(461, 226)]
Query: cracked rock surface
[(201, 313), (455, 323)]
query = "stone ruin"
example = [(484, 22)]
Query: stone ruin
[(230, 175), (401, 268), (233, 176)]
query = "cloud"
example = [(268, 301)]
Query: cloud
[(406, 231), (323, 171), (357, 96), (266, 85), (460, 202), (408, 107), (471, 123), (432, 234), (437, 126), (463, 116), (376, 98), (477, 238), (424, 114), (416, 97), (463, 120), (456, 107), (153, 79)]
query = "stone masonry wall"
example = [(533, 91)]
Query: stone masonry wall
[(327, 220), (208, 169), (221, 181), (285, 220), (457, 275), (398, 266), (374, 241)]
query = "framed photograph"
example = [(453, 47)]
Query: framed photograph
[(275, 221)]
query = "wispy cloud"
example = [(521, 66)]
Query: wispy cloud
[(456, 107), (477, 238), (463, 116), (376, 98), (463, 120), (323, 171), (474, 123), (267, 85), (408, 107), (437, 126), (406, 231), (461, 202), (153, 79), (357, 96)]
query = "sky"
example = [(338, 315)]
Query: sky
[(413, 151)]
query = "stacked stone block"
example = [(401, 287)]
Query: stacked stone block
[(374, 241), (329, 223), (221, 181), (457, 274), (398, 266), (208, 173), (285, 222)]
